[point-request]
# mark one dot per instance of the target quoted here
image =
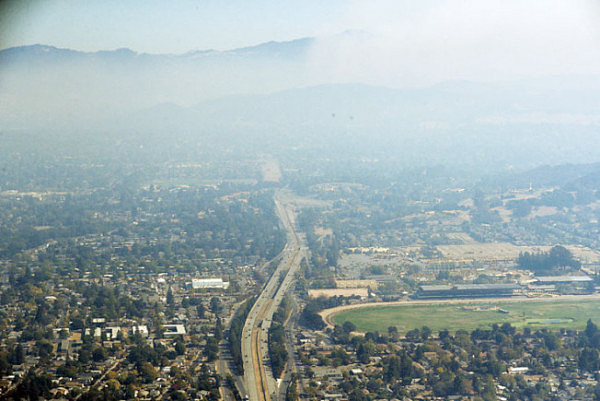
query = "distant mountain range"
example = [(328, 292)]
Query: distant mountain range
[(48, 85), (273, 93), (14, 56)]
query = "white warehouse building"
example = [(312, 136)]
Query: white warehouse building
[(208, 283)]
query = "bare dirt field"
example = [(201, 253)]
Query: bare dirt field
[(270, 171), (505, 251)]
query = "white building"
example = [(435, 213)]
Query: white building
[(96, 330), (112, 332), (174, 330), (208, 283), (142, 329)]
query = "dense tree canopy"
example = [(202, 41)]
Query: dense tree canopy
[(555, 261)]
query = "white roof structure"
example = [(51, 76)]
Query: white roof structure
[(97, 332), (209, 283), (563, 279), (112, 332), (142, 329), (174, 330)]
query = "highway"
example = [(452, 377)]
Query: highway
[(260, 385)]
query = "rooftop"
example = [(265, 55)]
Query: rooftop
[(469, 287), (563, 279)]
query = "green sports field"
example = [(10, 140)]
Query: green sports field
[(553, 314)]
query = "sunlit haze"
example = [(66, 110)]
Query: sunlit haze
[(273, 200), (401, 43)]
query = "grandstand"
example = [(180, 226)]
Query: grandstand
[(466, 291)]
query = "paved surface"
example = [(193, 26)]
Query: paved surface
[(101, 378), (223, 368), (292, 367), (259, 383)]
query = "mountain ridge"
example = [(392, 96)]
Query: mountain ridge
[(50, 50), (271, 93)]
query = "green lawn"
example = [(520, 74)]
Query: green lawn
[(555, 314)]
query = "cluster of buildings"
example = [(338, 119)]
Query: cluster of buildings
[(473, 359), (107, 341)]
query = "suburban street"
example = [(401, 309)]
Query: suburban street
[(290, 341), (260, 384)]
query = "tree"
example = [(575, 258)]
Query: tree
[(551, 341), (590, 330), (211, 351), (393, 332), (548, 262), (218, 330), (489, 391), (77, 324), (170, 298), (99, 354), (365, 351), (508, 329), (4, 364), (425, 333), (17, 355), (215, 305), (44, 348), (69, 369), (589, 360), (460, 385), (33, 387), (413, 335), (310, 316), (200, 310), (357, 395), (348, 327), (148, 372), (291, 393), (179, 346), (398, 367)]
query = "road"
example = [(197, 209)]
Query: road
[(101, 378), (290, 344), (260, 385), (223, 364), (222, 367)]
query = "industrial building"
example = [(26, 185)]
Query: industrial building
[(541, 280), (466, 291), (210, 283), (339, 292), (561, 285)]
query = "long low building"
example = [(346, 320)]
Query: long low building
[(198, 283), (372, 284), (466, 290), (563, 279), (339, 292)]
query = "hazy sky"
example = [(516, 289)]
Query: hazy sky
[(434, 41), (402, 41), (158, 26)]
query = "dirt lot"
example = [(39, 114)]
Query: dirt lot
[(506, 251)]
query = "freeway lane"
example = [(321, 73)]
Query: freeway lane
[(259, 382)]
